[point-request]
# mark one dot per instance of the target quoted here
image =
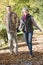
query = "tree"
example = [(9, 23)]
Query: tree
[(35, 8)]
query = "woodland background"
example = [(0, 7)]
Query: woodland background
[(35, 9)]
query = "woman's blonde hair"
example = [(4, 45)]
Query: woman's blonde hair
[(25, 9)]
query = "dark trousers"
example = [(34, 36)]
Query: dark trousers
[(28, 39)]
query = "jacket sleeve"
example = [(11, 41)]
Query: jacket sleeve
[(17, 21), (35, 24), (21, 24), (6, 21)]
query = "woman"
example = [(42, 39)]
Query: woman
[(26, 25)]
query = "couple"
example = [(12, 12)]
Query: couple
[(25, 24)]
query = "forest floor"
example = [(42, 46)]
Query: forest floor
[(24, 58)]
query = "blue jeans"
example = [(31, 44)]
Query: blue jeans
[(28, 39)]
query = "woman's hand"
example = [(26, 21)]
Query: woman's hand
[(40, 30)]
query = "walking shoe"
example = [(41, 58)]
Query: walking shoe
[(11, 52), (31, 56)]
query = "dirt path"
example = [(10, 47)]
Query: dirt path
[(23, 58)]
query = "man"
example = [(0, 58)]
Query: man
[(26, 25), (11, 23)]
